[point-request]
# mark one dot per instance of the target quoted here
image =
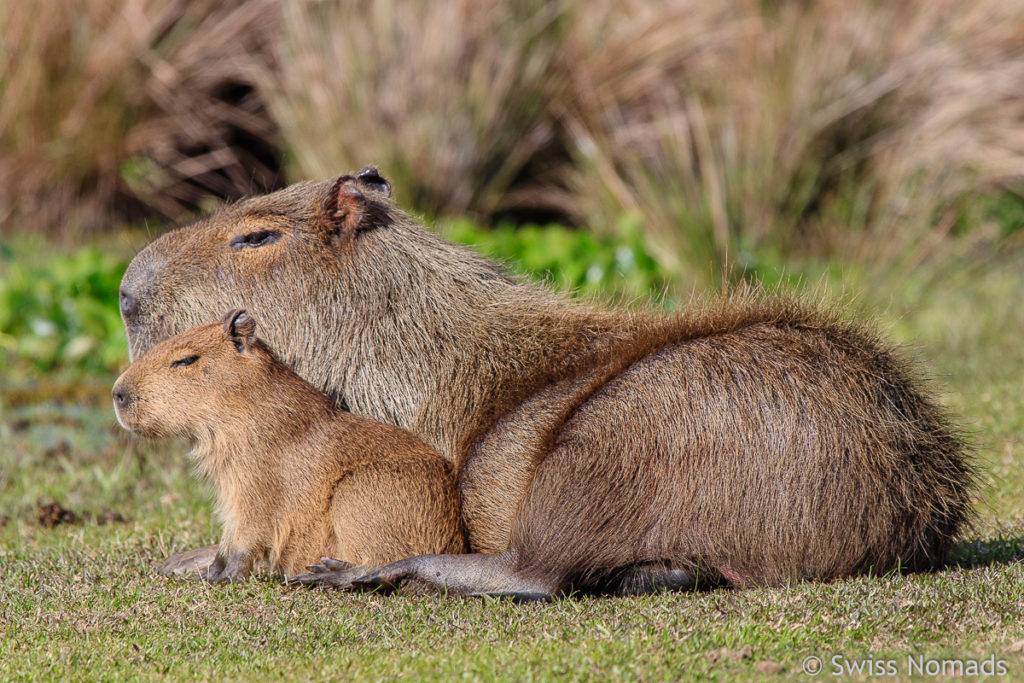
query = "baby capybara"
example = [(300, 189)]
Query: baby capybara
[(748, 439), (296, 479)]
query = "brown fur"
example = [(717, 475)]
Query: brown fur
[(296, 479), (751, 439)]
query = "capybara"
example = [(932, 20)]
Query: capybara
[(749, 439), (296, 479)]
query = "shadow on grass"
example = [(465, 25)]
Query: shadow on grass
[(1001, 549)]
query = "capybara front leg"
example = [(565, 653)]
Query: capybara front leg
[(471, 575), (190, 564)]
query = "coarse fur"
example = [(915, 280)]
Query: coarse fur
[(296, 479), (751, 439)]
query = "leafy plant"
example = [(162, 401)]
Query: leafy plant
[(63, 314), (573, 259)]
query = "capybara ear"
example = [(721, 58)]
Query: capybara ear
[(240, 328), (346, 206), (371, 178)]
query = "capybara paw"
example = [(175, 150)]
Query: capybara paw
[(384, 580), (190, 564), (227, 567), (328, 574), (213, 574), (331, 565), (322, 579)]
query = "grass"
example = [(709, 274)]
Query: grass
[(80, 600)]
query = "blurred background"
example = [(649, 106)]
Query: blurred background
[(635, 149)]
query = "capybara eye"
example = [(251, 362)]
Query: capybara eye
[(255, 239), (182, 362)]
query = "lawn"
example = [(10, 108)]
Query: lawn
[(79, 598)]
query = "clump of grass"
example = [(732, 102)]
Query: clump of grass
[(447, 99), (814, 129), (801, 130), (112, 110)]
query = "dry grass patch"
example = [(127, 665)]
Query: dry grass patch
[(114, 110)]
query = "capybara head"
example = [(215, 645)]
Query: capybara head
[(318, 264), (265, 253), (184, 385)]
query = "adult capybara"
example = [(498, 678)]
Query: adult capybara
[(296, 478), (748, 439)]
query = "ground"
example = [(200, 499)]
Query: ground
[(79, 598)]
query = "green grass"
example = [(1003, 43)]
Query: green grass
[(81, 600)]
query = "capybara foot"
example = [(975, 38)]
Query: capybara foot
[(228, 566), (190, 564), (469, 575), (645, 579), (330, 574)]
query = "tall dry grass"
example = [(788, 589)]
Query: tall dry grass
[(448, 98), (856, 129), (853, 129), (112, 110), (850, 129)]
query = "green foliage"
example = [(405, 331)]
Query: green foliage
[(573, 259), (61, 314)]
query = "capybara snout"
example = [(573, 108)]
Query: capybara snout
[(122, 397)]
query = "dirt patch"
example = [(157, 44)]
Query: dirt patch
[(109, 517), (767, 667), (54, 514), (725, 654)]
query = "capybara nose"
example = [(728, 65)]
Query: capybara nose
[(129, 304), (120, 397)]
